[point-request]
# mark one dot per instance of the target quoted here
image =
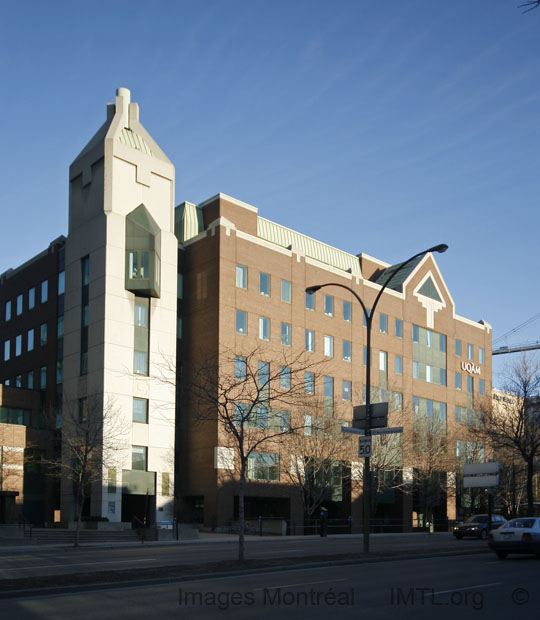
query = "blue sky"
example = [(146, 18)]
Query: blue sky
[(376, 126)]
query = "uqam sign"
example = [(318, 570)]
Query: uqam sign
[(471, 368)]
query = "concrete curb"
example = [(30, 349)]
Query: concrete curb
[(72, 589)]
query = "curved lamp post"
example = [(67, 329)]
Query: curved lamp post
[(368, 315)]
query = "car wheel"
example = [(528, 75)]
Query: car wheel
[(501, 554), (458, 536), (483, 534)]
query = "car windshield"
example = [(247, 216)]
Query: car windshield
[(521, 523)]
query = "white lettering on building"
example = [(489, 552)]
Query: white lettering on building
[(470, 368)]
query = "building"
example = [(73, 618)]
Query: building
[(99, 321), (244, 281)]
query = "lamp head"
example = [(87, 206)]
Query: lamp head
[(442, 247), (313, 289)]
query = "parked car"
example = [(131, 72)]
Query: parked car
[(477, 526), (520, 535)]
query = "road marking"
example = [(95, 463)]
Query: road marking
[(483, 585), (83, 564), (294, 585)]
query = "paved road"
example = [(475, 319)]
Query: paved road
[(471, 586), (35, 561)]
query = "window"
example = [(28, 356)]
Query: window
[(458, 381), (60, 327), (308, 425), (347, 350), (111, 481), (310, 340), (239, 413), (310, 301), (415, 370), (346, 390), (429, 339), (458, 348), (470, 352), (309, 382), (264, 328), (481, 356), (140, 410), (286, 334), (329, 346), (383, 361), (397, 401), (31, 298), (19, 304), (470, 385), (347, 311), (482, 387), (44, 291), (43, 377), (83, 410), (7, 349), (442, 343), (328, 395), (140, 363), (329, 305), (30, 380), (263, 375), (241, 276), (286, 291), (429, 374), (139, 458), (240, 367), (383, 323), (263, 466), (399, 328), (141, 338), (85, 271), (415, 333), (399, 365), (285, 378), (43, 335), (18, 381), (264, 284), (18, 345), (442, 376), (8, 311), (165, 484), (241, 322), (61, 282)]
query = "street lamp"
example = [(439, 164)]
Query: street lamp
[(368, 315)]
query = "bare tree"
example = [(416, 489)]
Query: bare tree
[(512, 421), (252, 401), (429, 450), (93, 438), (529, 6), (317, 458)]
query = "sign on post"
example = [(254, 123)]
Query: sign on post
[(364, 447), (379, 416), (480, 475)]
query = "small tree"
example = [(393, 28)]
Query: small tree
[(512, 421), (92, 438), (252, 401)]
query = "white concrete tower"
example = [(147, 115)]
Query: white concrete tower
[(120, 314)]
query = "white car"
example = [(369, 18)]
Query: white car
[(521, 535)]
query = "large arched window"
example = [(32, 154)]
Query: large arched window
[(143, 265)]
